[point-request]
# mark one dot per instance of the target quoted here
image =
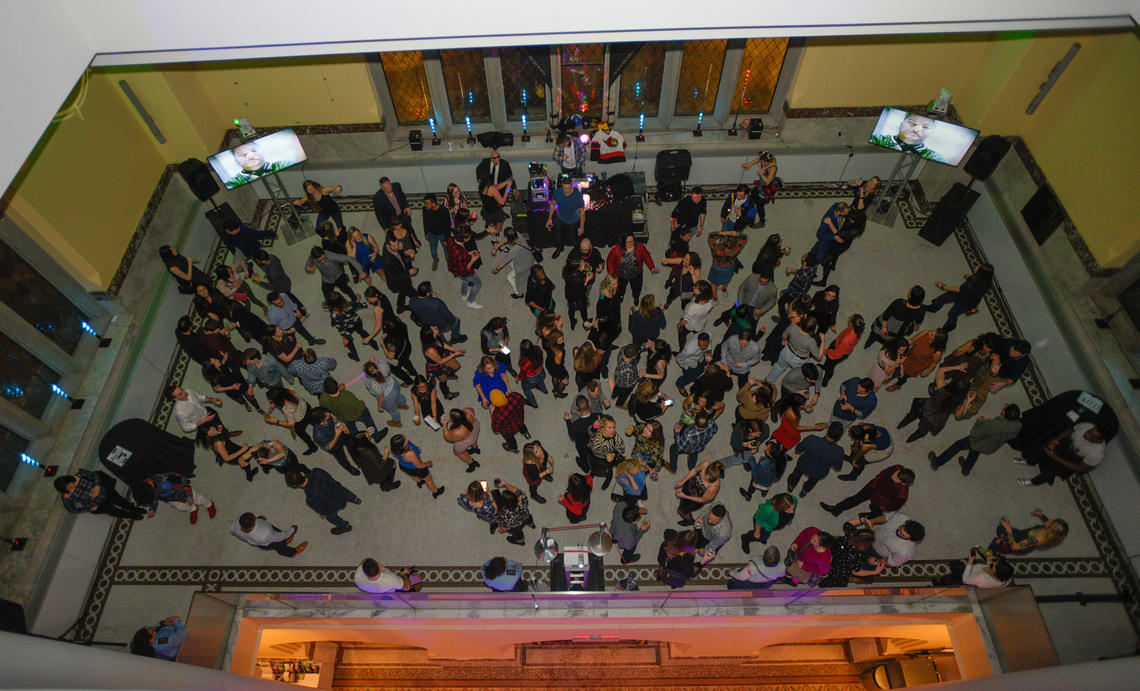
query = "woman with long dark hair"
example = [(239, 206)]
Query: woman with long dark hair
[(554, 345), (825, 308), (965, 298), (295, 412), (441, 358), (426, 401), (626, 262), (319, 198), (215, 437), (182, 269), (495, 339), (539, 296), (226, 380), (842, 347), (789, 431), (461, 430), (853, 224), (531, 374), (408, 458)]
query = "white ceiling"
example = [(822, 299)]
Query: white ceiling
[(46, 44)]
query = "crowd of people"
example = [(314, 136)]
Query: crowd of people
[(747, 366)]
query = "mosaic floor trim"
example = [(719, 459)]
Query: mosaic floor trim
[(1112, 562)]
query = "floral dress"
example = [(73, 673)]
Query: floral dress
[(652, 453), (487, 512)]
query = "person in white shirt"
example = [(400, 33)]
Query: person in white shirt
[(373, 577), (259, 532), (979, 570), (757, 574), (896, 536), (190, 410)]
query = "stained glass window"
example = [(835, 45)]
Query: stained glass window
[(407, 85), (24, 380), (641, 81), (759, 72), (11, 446), (31, 296), (466, 81), (699, 80), (525, 81), (583, 79)]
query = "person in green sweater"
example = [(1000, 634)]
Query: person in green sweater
[(770, 516), (347, 407)]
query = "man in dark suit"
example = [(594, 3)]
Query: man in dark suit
[(579, 424), (495, 169), (389, 202)]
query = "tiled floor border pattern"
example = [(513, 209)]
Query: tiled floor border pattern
[(1112, 562)]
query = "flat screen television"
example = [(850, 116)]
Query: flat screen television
[(934, 140), (257, 158)]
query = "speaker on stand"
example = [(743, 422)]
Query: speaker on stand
[(955, 204), (202, 183)]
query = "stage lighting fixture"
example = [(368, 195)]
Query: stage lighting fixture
[(584, 138), (17, 543), (434, 133), (525, 136), (76, 403), (641, 127), (700, 117), (103, 342), (470, 137), (49, 470)]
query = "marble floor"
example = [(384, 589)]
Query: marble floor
[(153, 566)]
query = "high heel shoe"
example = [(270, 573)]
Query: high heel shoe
[(435, 494)]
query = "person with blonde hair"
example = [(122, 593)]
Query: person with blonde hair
[(1021, 541)]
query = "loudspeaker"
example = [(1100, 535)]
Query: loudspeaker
[(755, 128), (1043, 214), (673, 164), (496, 140), (948, 213), (198, 177), (12, 617), (222, 218), (416, 140), (621, 186), (668, 191), (987, 157)]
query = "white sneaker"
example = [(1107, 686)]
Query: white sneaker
[(474, 305), (1020, 461), (1024, 482), (430, 422)]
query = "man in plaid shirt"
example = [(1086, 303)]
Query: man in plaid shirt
[(507, 417), (461, 262), (324, 495), (94, 492), (691, 439), (800, 284)]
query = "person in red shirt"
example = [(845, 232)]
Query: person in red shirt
[(842, 346), (507, 417), (886, 492), (462, 263), (625, 263), (577, 497)]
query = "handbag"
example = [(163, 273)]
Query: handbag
[(799, 573)]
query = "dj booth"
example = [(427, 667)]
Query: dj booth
[(616, 206)]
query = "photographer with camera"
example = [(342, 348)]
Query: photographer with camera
[(980, 570)]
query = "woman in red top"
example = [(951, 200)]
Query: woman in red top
[(922, 357), (842, 346), (577, 497), (813, 557), (531, 373), (788, 433), (626, 262)]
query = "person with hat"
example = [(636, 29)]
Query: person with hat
[(507, 413)]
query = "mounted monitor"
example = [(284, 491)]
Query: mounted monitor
[(934, 140), (257, 158)]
